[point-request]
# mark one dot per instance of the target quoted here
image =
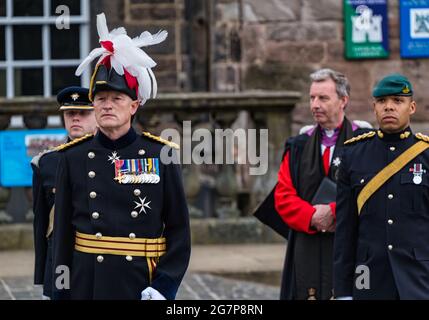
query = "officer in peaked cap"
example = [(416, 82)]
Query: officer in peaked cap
[(381, 249), (78, 119), (121, 218), (74, 98)]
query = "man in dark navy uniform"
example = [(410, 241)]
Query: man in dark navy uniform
[(381, 242), (121, 218), (78, 119)]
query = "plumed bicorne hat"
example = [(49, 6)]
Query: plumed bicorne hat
[(122, 65)]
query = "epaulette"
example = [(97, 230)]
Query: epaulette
[(72, 143), (159, 139), (36, 159), (361, 137), (422, 136)]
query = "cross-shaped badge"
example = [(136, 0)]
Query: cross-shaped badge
[(336, 162)]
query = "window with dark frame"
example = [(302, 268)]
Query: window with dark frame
[(36, 57)]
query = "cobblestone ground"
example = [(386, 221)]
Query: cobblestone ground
[(195, 286)]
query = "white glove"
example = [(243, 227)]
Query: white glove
[(152, 294), (344, 298)]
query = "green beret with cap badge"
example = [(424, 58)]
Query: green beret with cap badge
[(393, 85)]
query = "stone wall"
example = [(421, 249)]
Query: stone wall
[(227, 45), (284, 40)]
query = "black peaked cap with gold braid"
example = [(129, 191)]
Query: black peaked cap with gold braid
[(122, 65), (74, 98)]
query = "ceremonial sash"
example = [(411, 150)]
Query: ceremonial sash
[(389, 171)]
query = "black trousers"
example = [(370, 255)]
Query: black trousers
[(313, 266)]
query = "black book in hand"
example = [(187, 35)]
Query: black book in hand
[(326, 193)]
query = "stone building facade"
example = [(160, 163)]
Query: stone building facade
[(238, 45)]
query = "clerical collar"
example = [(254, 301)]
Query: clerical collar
[(120, 143), (329, 137), (329, 133), (397, 136)]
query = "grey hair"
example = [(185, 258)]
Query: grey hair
[(342, 84)]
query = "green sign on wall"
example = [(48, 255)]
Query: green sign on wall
[(366, 29)]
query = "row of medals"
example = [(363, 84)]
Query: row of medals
[(140, 178)]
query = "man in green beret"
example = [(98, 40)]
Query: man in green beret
[(381, 243)]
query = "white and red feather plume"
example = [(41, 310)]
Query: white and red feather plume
[(123, 54)]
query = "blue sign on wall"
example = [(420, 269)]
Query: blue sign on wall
[(414, 28), (17, 148)]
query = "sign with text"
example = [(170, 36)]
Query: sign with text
[(17, 148), (414, 28), (366, 29)]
